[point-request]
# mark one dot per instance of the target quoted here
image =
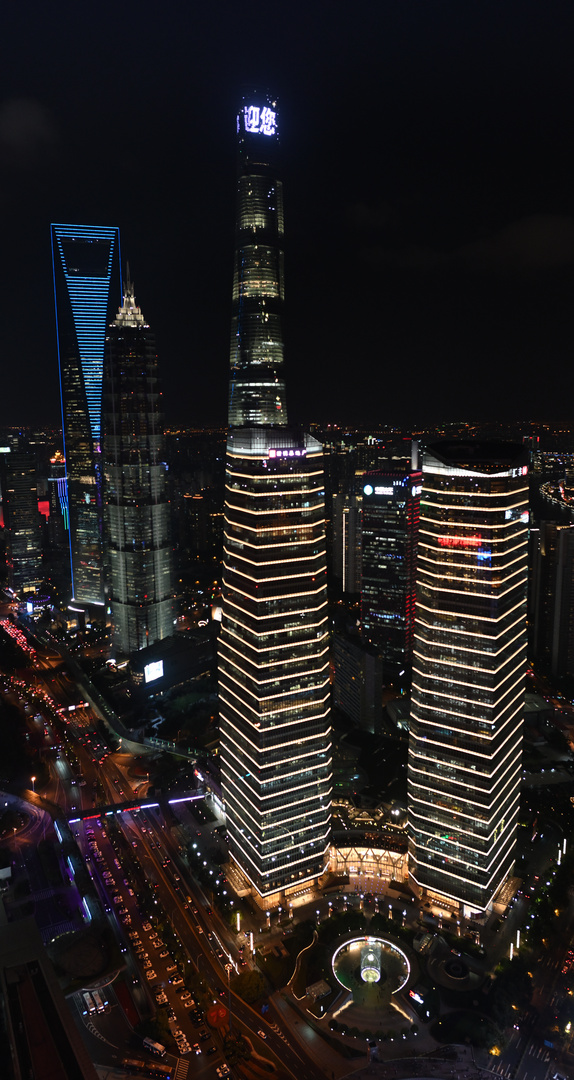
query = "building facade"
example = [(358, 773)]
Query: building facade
[(273, 647), (138, 551), (551, 597), (257, 386), (87, 289), (21, 518), (388, 568), (357, 681), (469, 670)]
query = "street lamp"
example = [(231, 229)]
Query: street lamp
[(33, 779)]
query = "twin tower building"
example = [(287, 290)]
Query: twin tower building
[(470, 628)]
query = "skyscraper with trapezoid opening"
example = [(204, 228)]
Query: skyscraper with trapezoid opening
[(273, 651), (87, 289)]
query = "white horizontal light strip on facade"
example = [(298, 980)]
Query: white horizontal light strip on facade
[(282, 791), (294, 884), (476, 593), (428, 489), (279, 493), (433, 553), (461, 749), (455, 683), (259, 512), (285, 578), (457, 631), (306, 558), (460, 767), (471, 616), (463, 579), (272, 546), (289, 676), (283, 696), (263, 719), (462, 716), (279, 614), (486, 810), (497, 850), (263, 817), (272, 747), (454, 661), (258, 665)]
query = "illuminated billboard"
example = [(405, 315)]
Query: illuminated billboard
[(153, 671)]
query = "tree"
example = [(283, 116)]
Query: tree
[(250, 986)]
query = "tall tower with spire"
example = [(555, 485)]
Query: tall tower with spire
[(257, 387), (138, 551), (273, 655)]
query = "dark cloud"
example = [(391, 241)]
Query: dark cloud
[(27, 131), (539, 242)]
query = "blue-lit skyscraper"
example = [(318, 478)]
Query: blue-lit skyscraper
[(87, 290)]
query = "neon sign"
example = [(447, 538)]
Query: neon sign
[(260, 121), (460, 541), (287, 453), (153, 671)]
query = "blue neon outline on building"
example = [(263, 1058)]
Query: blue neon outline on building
[(90, 309), (89, 300)]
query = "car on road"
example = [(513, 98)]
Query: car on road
[(196, 1048), (150, 975), (163, 954), (223, 1070), (203, 1036), (147, 926), (211, 1050), (262, 1034), (171, 967), (188, 1004), (186, 994)]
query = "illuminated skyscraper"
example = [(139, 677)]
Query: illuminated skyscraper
[(257, 388), (138, 551), (469, 670), (390, 535), (21, 517), (273, 657), (87, 288)]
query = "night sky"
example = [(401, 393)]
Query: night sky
[(429, 171)]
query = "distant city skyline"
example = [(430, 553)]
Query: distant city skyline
[(429, 176)]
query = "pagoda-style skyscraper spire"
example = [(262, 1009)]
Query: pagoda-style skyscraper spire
[(137, 534), (257, 388)]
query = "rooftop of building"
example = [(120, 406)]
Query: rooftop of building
[(491, 455)]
